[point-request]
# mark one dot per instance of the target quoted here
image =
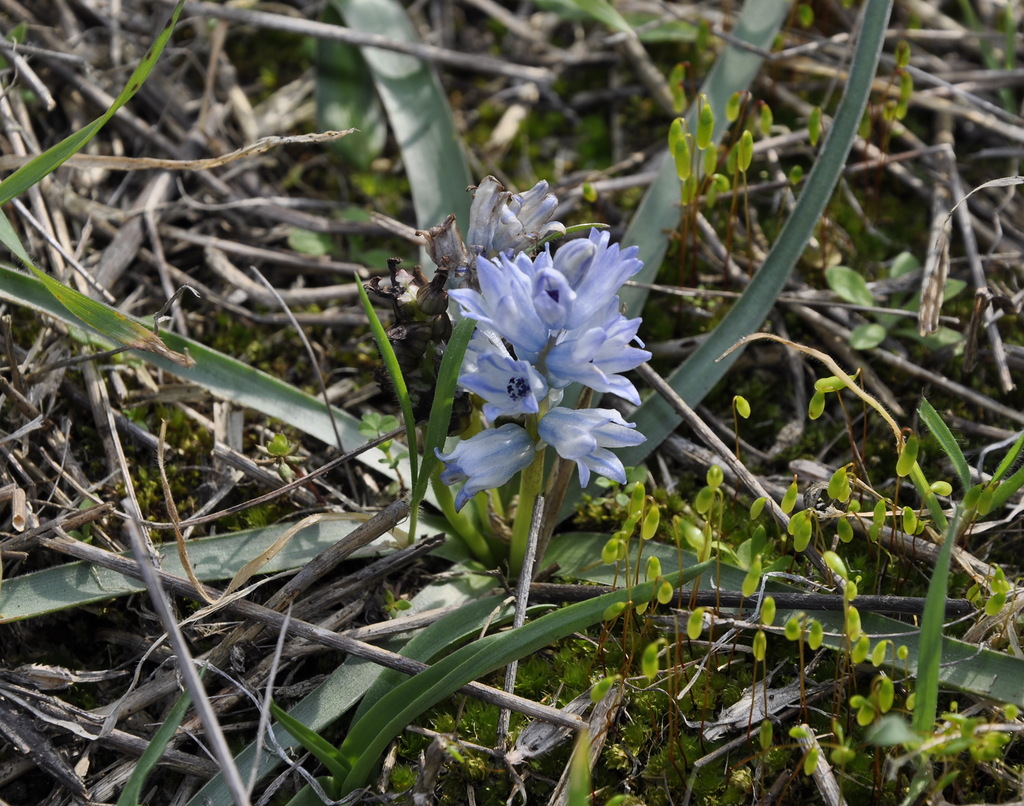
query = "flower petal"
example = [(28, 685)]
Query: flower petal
[(583, 435), (508, 386), (501, 222), (486, 460), (594, 356)]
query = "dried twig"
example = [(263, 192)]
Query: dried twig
[(476, 62), (311, 632)]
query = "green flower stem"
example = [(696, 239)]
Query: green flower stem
[(531, 484), (463, 527)]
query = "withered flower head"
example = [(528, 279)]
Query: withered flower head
[(445, 246), (501, 221), (421, 329), (413, 297)]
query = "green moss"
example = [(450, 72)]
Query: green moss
[(403, 777)]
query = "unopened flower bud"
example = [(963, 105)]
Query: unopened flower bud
[(433, 298)]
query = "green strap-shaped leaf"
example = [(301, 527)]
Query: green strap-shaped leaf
[(223, 376), (70, 585), (418, 112), (368, 738), (698, 374), (600, 10), (657, 219), (312, 741), (109, 322), (735, 69), (1008, 487), (347, 99)]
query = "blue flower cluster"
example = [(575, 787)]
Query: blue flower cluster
[(543, 323)]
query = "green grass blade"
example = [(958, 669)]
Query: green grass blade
[(10, 239), (387, 354), (55, 156), (930, 659), (312, 741), (698, 374), (131, 795), (1006, 489), (947, 442), (221, 375), (1010, 459), (441, 409), (931, 501), (418, 112), (368, 738)]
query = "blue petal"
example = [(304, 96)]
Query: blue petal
[(583, 436), (508, 387), (487, 460)]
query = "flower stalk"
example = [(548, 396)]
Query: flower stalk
[(531, 485)]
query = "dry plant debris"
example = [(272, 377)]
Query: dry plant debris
[(219, 166)]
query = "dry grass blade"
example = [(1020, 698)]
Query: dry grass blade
[(836, 370), (936, 266), (172, 511), (113, 163)]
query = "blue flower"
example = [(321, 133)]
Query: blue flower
[(595, 353), (545, 301), (487, 460), (508, 386), (543, 323), (595, 270), (500, 221), (505, 302), (583, 436)]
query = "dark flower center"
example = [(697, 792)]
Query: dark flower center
[(517, 388)]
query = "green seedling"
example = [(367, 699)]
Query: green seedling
[(372, 425), (394, 605), (850, 286)]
